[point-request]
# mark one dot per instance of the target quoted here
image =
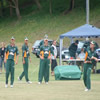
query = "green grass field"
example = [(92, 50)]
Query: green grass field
[(35, 24), (55, 90)]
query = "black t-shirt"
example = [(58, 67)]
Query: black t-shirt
[(2, 52), (72, 49)]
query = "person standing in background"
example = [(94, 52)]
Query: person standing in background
[(81, 56), (2, 53), (25, 57), (53, 58), (73, 48), (72, 51)]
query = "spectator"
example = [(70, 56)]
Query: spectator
[(53, 58), (81, 56), (2, 52), (73, 49)]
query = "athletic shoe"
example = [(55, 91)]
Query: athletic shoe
[(19, 79), (39, 83), (87, 89), (6, 85), (29, 82), (11, 86), (46, 83)]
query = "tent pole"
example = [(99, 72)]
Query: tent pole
[(61, 45), (87, 12), (71, 40)]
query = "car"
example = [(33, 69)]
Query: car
[(85, 44), (80, 46), (98, 53), (36, 45), (65, 54)]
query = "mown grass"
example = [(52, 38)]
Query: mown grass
[(55, 90), (35, 24)]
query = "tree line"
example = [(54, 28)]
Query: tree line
[(14, 4)]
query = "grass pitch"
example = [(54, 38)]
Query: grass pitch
[(55, 90)]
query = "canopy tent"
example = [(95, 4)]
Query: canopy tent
[(83, 31)]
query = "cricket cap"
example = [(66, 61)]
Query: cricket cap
[(12, 38), (26, 38), (92, 42)]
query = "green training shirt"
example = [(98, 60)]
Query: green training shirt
[(90, 54), (46, 51), (25, 51), (12, 51)]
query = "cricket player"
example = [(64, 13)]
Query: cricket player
[(25, 57), (42, 42), (90, 57), (10, 59), (45, 56)]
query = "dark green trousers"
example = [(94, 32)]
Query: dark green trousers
[(87, 75), (10, 69), (25, 70), (44, 70)]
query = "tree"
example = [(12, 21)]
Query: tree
[(50, 6), (11, 9), (72, 4), (38, 4), (14, 4), (2, 8)]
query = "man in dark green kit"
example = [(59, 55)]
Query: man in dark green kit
[(45, 56), (88, 64), (25, 56), (42, 42), (10, 55)]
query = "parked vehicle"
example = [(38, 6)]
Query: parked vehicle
[(36, 49), (65, 54), (81, 44), (98, 53)]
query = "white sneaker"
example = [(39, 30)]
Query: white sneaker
[(46, 83), (87, 89), (6, 85), (11, 86), (19, 79), (39, 83), (29, 82)]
